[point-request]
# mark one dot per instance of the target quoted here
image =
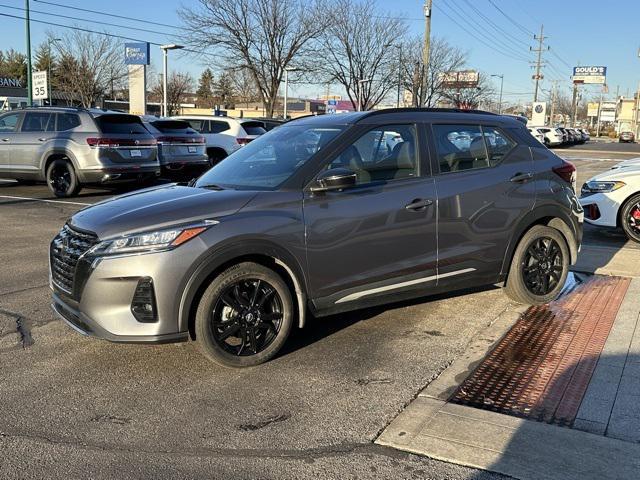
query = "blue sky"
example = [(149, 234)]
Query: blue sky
[(585, 32)]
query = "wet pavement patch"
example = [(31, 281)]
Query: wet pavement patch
[(250, 427), (542, 367)]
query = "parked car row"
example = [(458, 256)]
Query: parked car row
[(560, 136), (71, 147)]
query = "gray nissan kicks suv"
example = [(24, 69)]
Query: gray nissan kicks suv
[(319, 216), (71, 147)]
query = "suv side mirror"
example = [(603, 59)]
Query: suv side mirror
[(334, 179)]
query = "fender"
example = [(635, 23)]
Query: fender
[(231, 249), (57, 151), (561, 220)]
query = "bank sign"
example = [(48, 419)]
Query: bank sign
[(593, 75), (136, 53), (10, 82)]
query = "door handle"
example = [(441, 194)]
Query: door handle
[(5, 139), (42, 139), (419, 204), (521, 177)]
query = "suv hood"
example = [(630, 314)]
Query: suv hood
[(157, 208)]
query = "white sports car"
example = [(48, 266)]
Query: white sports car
[(612, 198)]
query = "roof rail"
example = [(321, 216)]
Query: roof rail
[(425, 110)]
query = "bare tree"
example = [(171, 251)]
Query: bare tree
[(244, 86), (92, 63), (263, 36), (470, 98), (178, 86), (361, 48), (443, 58)]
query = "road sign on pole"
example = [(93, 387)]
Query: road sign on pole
[(39, 85)]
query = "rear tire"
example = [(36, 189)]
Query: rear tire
[(539, 267), (630, 218), (62, 179), (216, 156), (244, 317)]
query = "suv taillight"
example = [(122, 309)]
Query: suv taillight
[(566, 171), (189, 140), (243, 141), (119, 142)]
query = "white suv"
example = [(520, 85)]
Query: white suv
[(552, 136), (223, 135)]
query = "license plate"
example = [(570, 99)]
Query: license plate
[(136, 153), (193, 149)]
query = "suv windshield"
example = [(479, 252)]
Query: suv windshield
[(271, 159), (172, 126)]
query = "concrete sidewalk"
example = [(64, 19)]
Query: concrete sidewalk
[(527, 449)]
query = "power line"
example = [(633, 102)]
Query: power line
[(494, 25), (520, 26), (108, 14), (85, 20), (461, 16), (492, 47)]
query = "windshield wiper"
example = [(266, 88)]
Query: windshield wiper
[(210, 186)]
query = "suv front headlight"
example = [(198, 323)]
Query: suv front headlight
[(601, 187), (151, 241)]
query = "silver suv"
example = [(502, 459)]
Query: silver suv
[(71, 147)]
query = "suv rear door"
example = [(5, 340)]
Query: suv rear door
[(484, 187), (36, 131), (379, 237)]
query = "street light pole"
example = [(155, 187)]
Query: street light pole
[(165, 49), (399, 47), (28, 34), (501, 76), (286, 93)]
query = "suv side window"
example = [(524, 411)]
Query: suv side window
[(498, 144), (36, 121), (460, 147), (381, 154), (9, 122), (218, 126), (200, 126), (67, 121)]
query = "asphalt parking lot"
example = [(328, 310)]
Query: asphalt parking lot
[(78, 407)]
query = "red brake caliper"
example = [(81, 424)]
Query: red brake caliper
[(636, 213)]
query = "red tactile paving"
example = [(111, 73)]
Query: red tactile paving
[(542, 367)]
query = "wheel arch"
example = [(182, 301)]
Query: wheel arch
[(621, 208), (542, 216), (57, 154), (264, 253)]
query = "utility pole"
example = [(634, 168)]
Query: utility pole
[(554, 87), (27, 24), (574, 104), (426, 50), (538, 76), (501, 77)]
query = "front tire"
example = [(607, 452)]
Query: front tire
[(630, 218), (62, 179), (539, 267), (244, 317)]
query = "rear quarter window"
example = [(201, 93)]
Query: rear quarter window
[(67, 121), (254, 128), (120, 124)]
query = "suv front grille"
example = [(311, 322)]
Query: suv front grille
[(66, 249)]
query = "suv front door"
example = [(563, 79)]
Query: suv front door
[(484, 189), (36, 131), (378, 237)]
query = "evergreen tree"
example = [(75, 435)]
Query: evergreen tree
[(14, 65), (205, 89), (224, 89)]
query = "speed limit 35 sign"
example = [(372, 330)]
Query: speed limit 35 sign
[(39, 85)]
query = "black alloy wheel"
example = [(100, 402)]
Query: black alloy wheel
[(62, 179), (244, 316), (539, 266), (247, 317), (542, 266)]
